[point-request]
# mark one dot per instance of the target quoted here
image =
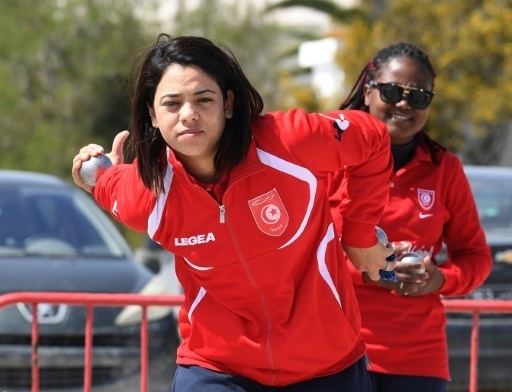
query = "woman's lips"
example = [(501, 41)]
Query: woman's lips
[(190, 132)]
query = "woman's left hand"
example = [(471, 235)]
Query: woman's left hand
[(412, 282)]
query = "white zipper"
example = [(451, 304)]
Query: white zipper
[(222, 210)]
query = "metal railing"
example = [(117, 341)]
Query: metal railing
[(89, 300), (476, 307)]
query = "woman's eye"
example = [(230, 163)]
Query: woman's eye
[(205, 99)]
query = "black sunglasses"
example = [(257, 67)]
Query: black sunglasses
[(393, 93)]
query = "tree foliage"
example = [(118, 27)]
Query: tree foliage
[(62, 68), (470, 46), (63, 65)]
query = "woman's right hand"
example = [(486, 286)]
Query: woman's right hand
[(412, 277), (389, 284), (93, 150), (371, 260)]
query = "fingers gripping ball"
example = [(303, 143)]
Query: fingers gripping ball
[(413, 257), (93, 168), (383, 239)]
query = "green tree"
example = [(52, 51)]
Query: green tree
[(470, 45), (62, 65)]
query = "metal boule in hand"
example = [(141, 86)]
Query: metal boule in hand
[(383, 239), (382, 236), (93, 168), (413, 257)]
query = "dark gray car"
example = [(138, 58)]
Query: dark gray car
[(492, 189), (53, 237)]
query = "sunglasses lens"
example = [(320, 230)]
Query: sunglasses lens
[(390, 93), (419, 99)]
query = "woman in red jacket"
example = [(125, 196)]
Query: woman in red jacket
[(430, 202), (240, 199)]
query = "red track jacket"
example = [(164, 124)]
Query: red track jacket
[(268, 294), (428, 204)]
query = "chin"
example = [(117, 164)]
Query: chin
[(400, 137)]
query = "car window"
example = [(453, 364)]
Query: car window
[(56, 222), (494, 204)]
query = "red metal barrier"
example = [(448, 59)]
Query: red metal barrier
[(144, 301), (476, 307), (90, 301)]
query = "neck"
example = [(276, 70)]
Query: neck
[(402, 154), (207, 178), (203, 171)]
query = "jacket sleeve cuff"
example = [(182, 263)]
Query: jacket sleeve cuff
[(450, 281), (358, 235)]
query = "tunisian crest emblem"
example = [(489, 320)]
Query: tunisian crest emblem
[(269, 213), (426, 198)]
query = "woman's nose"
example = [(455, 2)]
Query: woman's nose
[(188, 112), (404, 102)]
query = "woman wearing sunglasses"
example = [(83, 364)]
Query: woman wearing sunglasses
[(430, 202)]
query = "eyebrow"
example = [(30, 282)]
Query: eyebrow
[(198, 92)]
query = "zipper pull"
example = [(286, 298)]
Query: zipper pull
[(222, 209)]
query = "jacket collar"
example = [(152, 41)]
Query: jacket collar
[(250, 164)]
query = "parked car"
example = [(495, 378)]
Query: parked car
[(53, 237), (492, 189), (161, 263)]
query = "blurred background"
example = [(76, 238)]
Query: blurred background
[(66, 65)]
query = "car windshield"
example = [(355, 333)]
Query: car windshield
[(494, 203), (54, 221)]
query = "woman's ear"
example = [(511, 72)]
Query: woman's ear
[(228, 105), (367, 91), (154, 122)]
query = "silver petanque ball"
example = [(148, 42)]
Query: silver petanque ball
[(93, 168), (412, 257), (382, 236), (383, 239)]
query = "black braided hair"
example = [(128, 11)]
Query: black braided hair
[(355, 99)]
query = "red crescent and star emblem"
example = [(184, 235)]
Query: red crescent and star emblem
[(269, 213)]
